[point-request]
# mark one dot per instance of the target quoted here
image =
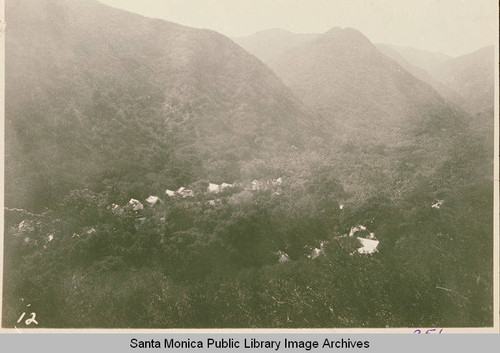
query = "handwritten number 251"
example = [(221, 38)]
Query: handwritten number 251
[(428, 331)]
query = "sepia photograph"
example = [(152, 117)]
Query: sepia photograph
[(265, 164)]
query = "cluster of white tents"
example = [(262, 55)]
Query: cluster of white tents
[(255, 185), (136, 205), (369, 245), (182, 192), (212, 188), (216, 188)]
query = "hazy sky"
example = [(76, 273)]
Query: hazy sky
[(453, 27)]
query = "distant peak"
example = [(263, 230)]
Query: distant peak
[(351, 30), (347, 33), (334, 30), (274, 30)]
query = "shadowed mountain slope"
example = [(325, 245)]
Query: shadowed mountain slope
[(95, 93), (428, 60), (467, 81), (446, 92), (352, 84), (472, 76), (380, 115)]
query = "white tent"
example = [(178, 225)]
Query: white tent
[(369, 246), (224, 186), (185, 192), (438, 204), (170, 193), (213, 188), (317, 252), (283, 256), (136, 205), (356, 229), (256, 185), (152, 200), (277, 182)]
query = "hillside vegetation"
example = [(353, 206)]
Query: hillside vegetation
[(354, 195), (93, 100)]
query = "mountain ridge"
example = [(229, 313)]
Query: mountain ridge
[(102, 86), (374, 109)]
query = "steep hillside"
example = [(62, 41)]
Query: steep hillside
[(97, 95), (352, 84), (472, 76), (393, 125), (269, 44), (467, 81), (375, 214), (446, 92), (428, 60)]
